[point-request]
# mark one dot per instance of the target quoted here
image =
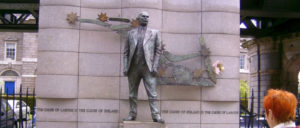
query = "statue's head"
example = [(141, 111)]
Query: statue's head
[(143, 18)]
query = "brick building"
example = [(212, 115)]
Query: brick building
[(18, 60)]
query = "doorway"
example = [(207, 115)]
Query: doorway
[(9, 87)]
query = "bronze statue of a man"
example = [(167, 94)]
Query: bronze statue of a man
[(141, 57)]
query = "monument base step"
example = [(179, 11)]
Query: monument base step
[(140, 124)]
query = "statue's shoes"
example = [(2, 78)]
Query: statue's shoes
[(129, 118), (160, 120)]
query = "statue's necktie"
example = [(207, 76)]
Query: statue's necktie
[(140, 49)]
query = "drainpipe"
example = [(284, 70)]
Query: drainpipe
[(258, 80)]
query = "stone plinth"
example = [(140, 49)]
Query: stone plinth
[(139, 124)]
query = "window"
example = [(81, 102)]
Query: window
[(10, 51), (242, 62)]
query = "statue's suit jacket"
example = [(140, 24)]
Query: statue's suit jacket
[(151, 45)]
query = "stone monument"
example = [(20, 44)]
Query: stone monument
[(80, 81)]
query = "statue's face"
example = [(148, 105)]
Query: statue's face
[(143, 18)]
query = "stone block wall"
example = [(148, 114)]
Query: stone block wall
[(29, 60), (269, 68), (278, 59), (80, 82)]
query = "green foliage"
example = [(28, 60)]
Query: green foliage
[(244, 93)]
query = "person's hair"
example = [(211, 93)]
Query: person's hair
[(282, 103)]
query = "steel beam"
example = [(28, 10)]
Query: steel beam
[(270, 13), (19, 6)]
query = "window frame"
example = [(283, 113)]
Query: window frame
[(5, 51), (243, 65)]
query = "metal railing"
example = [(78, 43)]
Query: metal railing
[(17, 109), (248, 117)]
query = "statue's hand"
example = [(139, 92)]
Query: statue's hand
[(154, 72), (125, 73)]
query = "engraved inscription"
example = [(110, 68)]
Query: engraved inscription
[(199, 112), (78, 110), (100, 110)]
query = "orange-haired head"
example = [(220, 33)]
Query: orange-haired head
[(282, 104)]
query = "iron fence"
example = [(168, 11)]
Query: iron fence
[(18, 110), (249, 118)]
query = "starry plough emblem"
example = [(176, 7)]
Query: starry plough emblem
[(104, 20), (205, 51), (72, 18), (135, 23), (198, 72), (102, 17)]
